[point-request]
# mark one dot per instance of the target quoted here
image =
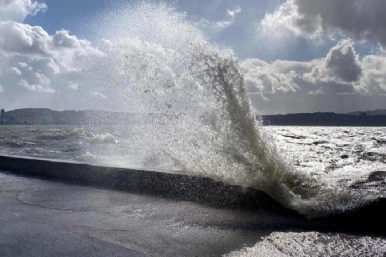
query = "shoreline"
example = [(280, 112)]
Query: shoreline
[(204, 191)]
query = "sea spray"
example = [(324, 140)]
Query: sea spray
[(196, 109)]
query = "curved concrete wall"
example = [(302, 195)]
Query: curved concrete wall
[(183, 187), (369, 219)]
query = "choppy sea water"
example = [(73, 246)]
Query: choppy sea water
[(348, 153), (315, 150), (352, 156), (330, 150), (119, 146)]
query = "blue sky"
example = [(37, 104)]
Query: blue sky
[(79, 16), (295, 55), (71, 15)]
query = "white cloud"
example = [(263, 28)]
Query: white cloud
[(263, 77), (14, 71), (373, 80), (282, 21), (73, 86), (220, 25), (36, 61), (342, 71), (42, 86), (231, 17), (98, 95), (359, 19), (18, 10), (19, 38), (340, 65)]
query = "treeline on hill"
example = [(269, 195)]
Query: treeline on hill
[(41, 116), (325, 119)]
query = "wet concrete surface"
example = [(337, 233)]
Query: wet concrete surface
[(45, 218), (50, 218)]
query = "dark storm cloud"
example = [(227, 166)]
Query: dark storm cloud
[(340, 65), (343, 62), (301, 102), (362, 18), (359, 19)]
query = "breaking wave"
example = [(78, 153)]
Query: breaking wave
[(196, 108)]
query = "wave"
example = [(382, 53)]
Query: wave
[(159, 63), (198, 113), (103, 139), (87, 157), (282, 244)]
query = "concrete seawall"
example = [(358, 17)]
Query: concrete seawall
[(175, 186), (368, 219)]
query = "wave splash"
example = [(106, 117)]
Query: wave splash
[(197, 111)]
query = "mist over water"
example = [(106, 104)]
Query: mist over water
[(196, 109)]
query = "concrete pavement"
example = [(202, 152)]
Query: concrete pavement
[(44, 218)]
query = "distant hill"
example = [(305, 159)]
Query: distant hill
[(370, 113), (325, 119), (41, 116)]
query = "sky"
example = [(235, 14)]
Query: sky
[(295, 55)]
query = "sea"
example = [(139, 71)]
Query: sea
[(340, 157), (156, 61), (351, 152)]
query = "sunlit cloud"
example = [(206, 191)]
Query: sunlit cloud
[(231, 17), (34, 64), (18, 10), (217, 26), (342, 71), (34, 59)]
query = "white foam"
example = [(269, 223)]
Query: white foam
[(304, 244), (199, 115)]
